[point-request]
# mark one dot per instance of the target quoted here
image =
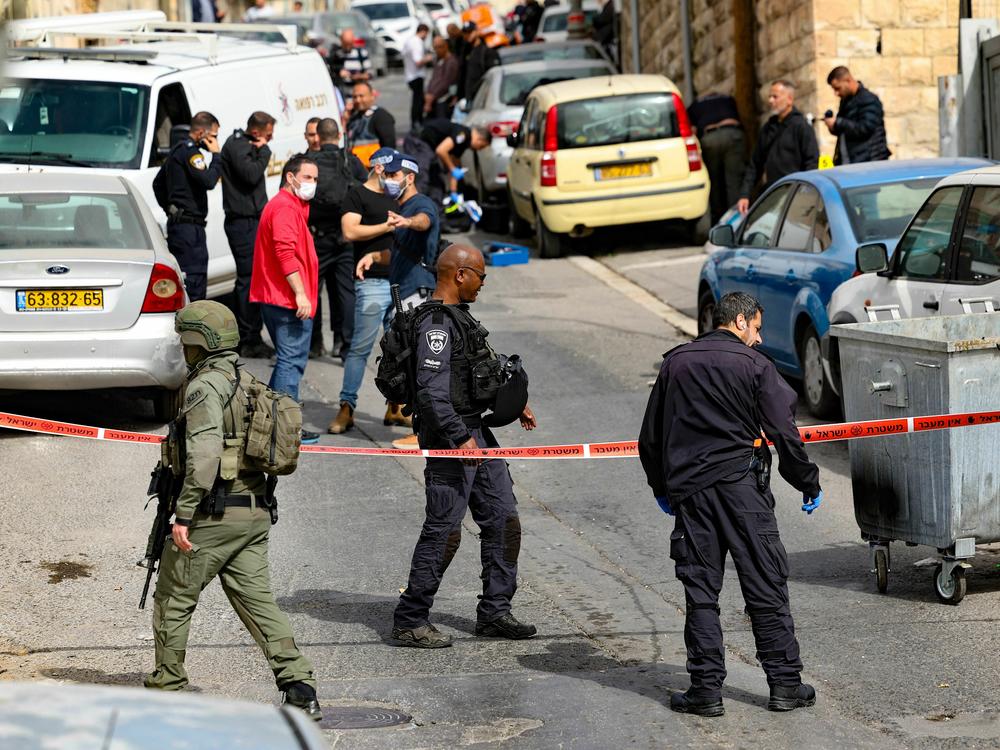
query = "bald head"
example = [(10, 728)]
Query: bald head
[(461, 272)]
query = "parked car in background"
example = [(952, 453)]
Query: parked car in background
[(947, 262), (88, 289), (395, 21), (571, 49), (797, 244), (554, 24), (442, 12), (499, 104), (40, 715), (322, 31), (603, 152)]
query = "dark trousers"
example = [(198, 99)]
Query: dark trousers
[(417, 101), (336, 275), (725, 155), (487, 491), (736, 519), (242, 234), (188, 244)]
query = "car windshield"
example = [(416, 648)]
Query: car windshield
[(74, 123), (432, 6), (617, 119), (535, 52), (61, 220), (334, 23), (385, 11), (882, 211), (515, 87), (558, 21)]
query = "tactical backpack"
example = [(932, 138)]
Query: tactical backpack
[(332, 185), (273, 424)]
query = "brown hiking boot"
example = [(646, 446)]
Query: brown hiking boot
[(343, 421), (394, 416), (426, 636)]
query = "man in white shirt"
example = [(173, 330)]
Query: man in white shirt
[(260, 9), (415, 58)]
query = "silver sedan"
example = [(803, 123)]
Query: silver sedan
[(88, 289)]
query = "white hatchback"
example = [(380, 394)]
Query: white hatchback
[(88, 289), (947, 262)]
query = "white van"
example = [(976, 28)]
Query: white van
[(110, 109)]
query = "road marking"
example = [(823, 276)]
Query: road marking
[(608, 276), (662, 263)]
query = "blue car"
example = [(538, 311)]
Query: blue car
[(797, 244)]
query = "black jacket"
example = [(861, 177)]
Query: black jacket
[(784, 146), (185, 179), (860, 129), (711, 400), (244, 175), (481, 58), (336, 178)]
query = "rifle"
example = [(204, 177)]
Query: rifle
[(165, 487)]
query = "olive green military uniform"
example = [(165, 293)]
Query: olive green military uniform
[(231, 545)]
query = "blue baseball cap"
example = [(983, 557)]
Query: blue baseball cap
[(399, 161), (384, 156)]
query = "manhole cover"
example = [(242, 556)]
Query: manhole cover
[(362, 717)]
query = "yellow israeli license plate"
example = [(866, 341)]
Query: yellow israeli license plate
[(622, 171), (58, 300)]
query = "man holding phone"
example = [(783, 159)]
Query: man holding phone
[(181, 189)]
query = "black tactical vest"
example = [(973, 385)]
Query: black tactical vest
[(476, 371)]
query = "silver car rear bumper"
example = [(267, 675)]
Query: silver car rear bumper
[(148, 354)]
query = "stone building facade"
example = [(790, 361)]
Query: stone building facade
[(898, 48)]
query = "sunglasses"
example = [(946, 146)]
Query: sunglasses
[(482, 276)]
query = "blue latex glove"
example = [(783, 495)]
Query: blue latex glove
[(455, 198), (809, 505), (664, 504), (458, 172)]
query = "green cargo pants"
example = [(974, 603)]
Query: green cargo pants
[(234, 548)]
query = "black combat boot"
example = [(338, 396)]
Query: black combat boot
[(506, 626), (303, 696), (683, 703), (790, 697)]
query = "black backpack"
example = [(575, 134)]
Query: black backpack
[(334, 181)]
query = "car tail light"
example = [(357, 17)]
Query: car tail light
[(538, 39), (502, 129), (690, 142), (550, 146), (359, 42), (165, 293)]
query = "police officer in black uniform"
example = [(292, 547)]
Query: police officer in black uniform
[(245, 156), (181, 188), (713, 398), (449, 342)]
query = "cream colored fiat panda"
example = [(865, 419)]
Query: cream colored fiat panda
[(598, 152)]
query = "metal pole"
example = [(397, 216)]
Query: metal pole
[(633, 9), (686, 52)]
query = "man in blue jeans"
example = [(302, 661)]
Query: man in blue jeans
[(286, 275), (365, 222)]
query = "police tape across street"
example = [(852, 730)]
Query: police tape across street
[(615, 449)]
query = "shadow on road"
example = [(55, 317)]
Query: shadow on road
[(584, 661)]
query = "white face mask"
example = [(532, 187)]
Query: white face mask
[(306, 190)]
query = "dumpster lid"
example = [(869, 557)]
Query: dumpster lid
[(949, 333)]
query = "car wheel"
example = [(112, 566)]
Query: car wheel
[(550, 244), (495, 213), (706, 309), (519, 228), (820, 397), (166, 405)]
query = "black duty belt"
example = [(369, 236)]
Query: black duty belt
[(238, 501), (187, 220)]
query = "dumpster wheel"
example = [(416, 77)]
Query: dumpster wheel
[(950, 586), (882, 570)]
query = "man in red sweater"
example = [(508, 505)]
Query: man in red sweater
[(286, 275)]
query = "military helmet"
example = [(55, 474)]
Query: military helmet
[(207, 324)]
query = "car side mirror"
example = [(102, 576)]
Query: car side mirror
[(722, 235), (514, 139), (872, 258)]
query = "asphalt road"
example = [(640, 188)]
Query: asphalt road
[(898, 670)]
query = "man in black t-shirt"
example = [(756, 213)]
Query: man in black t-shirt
[(365, 222), (438, 148)]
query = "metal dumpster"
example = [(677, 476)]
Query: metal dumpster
[(940, 488)]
